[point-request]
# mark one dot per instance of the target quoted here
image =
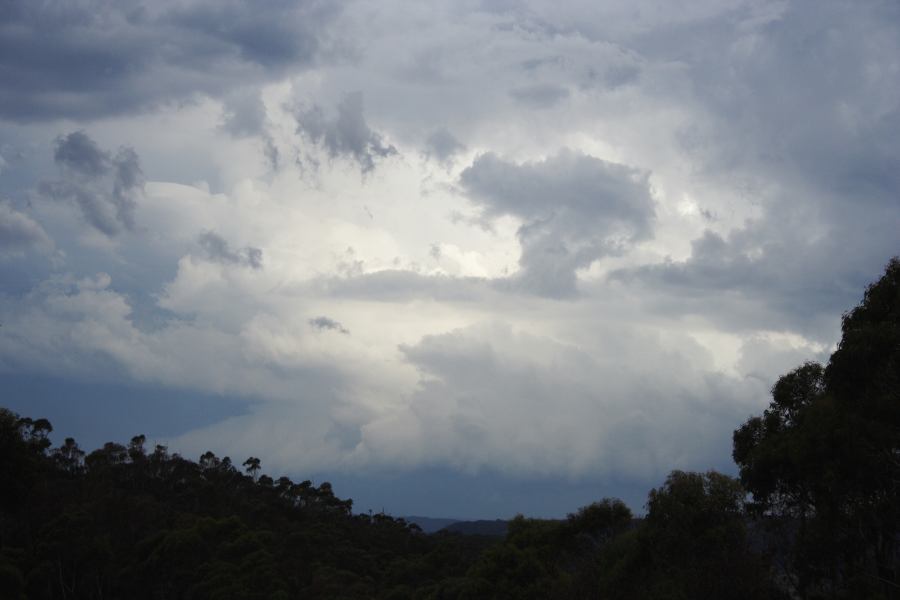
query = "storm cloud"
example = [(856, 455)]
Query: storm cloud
[(574, 209), (324, 323), (345, 134), (575, 243), (218, 250), (94, 59), (104, 186)]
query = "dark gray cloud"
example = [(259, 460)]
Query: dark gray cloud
[(769, 274), (804, 116), (574, 209), (80, 154), (94, 58), (442, 146), (244, 115), (218, 250), (281, 34), (104, 186), (818, 105), (345, 134), (540, 95), (325, 323)]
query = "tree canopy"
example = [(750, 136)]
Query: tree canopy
[(823, 460)]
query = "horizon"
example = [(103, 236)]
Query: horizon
[(480, 259)]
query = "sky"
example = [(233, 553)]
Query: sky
[(462, 259)]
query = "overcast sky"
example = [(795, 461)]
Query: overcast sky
[(462, 259)]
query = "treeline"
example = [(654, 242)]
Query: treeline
[(814, 514), (131, 522)]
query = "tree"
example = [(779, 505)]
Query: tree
[(69, 456), (20, 458), (136, 450), (252, 466), (692, 544), (36, 432), (130, 525), (600, 521), (208, 461), (778, 450), (824, 459), (109, 455)]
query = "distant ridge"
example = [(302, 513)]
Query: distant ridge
[(430, 524), (496, 527)]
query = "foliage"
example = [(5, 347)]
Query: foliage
[(119, 522), (122, 523), (692, 544), (823, 461)]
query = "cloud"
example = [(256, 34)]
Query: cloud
[(84, 327), (260, 352), (795, 143), (396, 285), (217, 250), (616, 400), (767, 275), (19, 234), (574, 210), (93, 59), (442, 145), (324, 323), (102, 185), (80, 154), (347, 134), (634, 405), (767, 356), (281, 35), (244, 113), (541, 95), (781, 120)]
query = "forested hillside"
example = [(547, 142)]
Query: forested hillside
[(820, 468)]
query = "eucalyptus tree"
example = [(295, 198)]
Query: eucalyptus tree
[(823, 460)]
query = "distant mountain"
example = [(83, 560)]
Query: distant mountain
[(493, 528), (430, 524)]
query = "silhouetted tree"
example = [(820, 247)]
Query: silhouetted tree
[(209, 461), (69, 456), (692, 544), (136, 452), (823, 462), (252, 466)]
